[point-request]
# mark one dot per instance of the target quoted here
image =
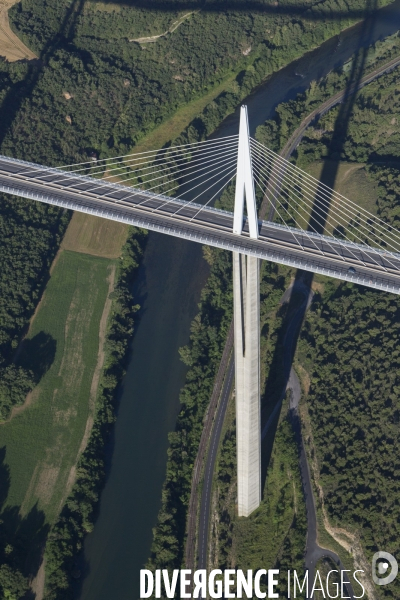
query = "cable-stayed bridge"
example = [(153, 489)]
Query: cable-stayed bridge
[(291, 240), (172, 191)]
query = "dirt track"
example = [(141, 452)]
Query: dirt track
[(11, 46)]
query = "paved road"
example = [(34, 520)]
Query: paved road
[(295, 139), (205, 504), (314, 552), (210, 465), (277, 243)]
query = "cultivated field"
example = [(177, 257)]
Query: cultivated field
[(45, 436), (95, 236)]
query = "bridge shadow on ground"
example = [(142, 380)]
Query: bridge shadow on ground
[(22, 539), (279, 372)]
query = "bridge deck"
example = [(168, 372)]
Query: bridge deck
[(285, 245)]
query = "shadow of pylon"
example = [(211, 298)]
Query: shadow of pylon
[(283, 358), (22, 90), (335, 148)]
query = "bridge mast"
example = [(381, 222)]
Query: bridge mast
[(246, 299)]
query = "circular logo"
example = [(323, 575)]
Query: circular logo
[(382, 567)]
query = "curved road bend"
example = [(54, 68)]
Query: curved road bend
[(205, 505), (313, 551)]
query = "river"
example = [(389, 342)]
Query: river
[(168, 288)]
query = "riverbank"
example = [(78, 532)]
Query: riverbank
[(87, 475), (351, 322), (174, 314), (349, 176), (266, 107)]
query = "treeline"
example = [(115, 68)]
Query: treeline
[(113, 93), (341, 347), (202, 356), (101, 93), (281, 517), (349, 347), (375, 111), (78, 514)]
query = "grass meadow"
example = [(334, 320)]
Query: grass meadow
[(351, 181)]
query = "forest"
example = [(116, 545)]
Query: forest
[(95, 91), (29, 239), (202, 356), (274, 535), (288, 115), (114, 90), (79, 512)]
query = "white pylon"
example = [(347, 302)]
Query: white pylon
[(246, 297), (244, 181)]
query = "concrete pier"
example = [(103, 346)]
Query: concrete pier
[(247, 366)]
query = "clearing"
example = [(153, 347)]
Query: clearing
[(11, 46), (42, 442), (351, 181)]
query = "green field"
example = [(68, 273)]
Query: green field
[(95, 236), (45, 436), (351, 181)]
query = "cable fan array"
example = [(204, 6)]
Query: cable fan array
[(198, 172), (298, 200), (194, 173)]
